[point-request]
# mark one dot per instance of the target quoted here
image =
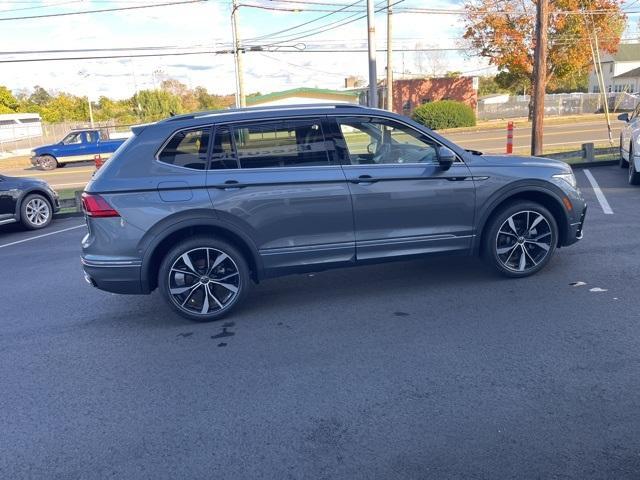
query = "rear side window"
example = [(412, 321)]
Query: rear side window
[(222, 154), (295, 143), (188, 149)]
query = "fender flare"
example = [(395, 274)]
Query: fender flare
[(497, 198), (196, 218)]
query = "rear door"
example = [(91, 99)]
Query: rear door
[(404, 202), (277, 182)]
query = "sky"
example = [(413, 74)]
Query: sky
[(207, 26)]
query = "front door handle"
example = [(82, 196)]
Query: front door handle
[(364, 179), (232, 185)]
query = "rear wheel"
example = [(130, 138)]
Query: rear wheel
[(35, 212), (634, 175), (203, 278), (520, 239)]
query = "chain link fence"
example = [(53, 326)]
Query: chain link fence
[(503, 106)]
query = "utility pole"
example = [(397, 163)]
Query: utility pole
[(237, 55), (539, 76), (85, 74), (373, 76), (389, 57)]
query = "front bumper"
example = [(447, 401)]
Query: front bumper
[(113, 276)]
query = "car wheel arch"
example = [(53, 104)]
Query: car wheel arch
[(534, 193), (32, 191), (158, 243)]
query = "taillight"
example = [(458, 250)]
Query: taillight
[(96, 206)]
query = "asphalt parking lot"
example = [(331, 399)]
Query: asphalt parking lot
[(425, 369)]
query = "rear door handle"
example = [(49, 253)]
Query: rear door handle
[(364, 179)]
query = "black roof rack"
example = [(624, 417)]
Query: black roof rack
[(206, 113)]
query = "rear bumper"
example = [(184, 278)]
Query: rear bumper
[(113, 276)]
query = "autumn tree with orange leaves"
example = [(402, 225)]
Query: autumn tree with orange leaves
[(504, 32)]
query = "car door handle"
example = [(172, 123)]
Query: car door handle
[(232, 185), (364, 179)]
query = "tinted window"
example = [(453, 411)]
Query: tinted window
[(8, 122), (297, 143), (222, 155), (382, 141), (188, 149)]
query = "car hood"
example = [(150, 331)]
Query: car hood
[(521, 161)]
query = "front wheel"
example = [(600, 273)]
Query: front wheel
[(520, 239), (203, 278), (634, 175), (47, 162), (35, 212)]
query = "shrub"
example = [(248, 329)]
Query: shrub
[(445, 114)]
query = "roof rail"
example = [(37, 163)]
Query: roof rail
[(208, 113)]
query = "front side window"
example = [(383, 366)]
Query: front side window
[(291, 143), (372, 141), (73, 139), (187, 149)]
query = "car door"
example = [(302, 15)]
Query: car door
[(9, 194), (630, 129), (276, 181), (404, 202)]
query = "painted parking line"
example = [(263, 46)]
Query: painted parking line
[(606, 208), (41, 236)]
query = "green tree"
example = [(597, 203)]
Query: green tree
[(156, 104), (8, 103)]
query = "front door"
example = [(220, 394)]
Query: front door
[(8, 198), (404, 202), (276, 181)]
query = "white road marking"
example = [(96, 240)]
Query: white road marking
[(606, 208), (41, 236)]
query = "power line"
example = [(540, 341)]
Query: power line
[(103, 10)]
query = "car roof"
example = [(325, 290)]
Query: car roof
[(257, 113)]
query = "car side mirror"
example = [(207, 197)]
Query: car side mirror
[(623, 117), (446, 157)]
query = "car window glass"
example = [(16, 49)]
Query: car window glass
[(72, 139), (281, 144), (222, 155), (188, 149), (382, 141)]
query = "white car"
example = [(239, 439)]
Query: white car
[(630, 145)]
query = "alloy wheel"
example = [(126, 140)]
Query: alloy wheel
[(37, 211), (204, 281), (524, 241)]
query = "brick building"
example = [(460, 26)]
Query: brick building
[(411, 93)]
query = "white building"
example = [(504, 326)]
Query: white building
[(616, 69)]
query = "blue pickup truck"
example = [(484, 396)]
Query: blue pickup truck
[(77, 146)]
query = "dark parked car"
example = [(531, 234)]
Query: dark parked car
[(200, 205), (27, 200)]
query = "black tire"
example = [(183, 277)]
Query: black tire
[(623, 163), (503, 247), (634, 175), (35, 211), (213, 284), (47, 162)]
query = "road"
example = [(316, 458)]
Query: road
[(489, 141), (429, 369)]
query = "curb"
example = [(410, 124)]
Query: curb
[(68, 215), (602, 163)]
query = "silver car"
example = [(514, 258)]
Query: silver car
[(202, 205), (630, 144)]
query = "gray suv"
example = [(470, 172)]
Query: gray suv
[(201, 205)]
